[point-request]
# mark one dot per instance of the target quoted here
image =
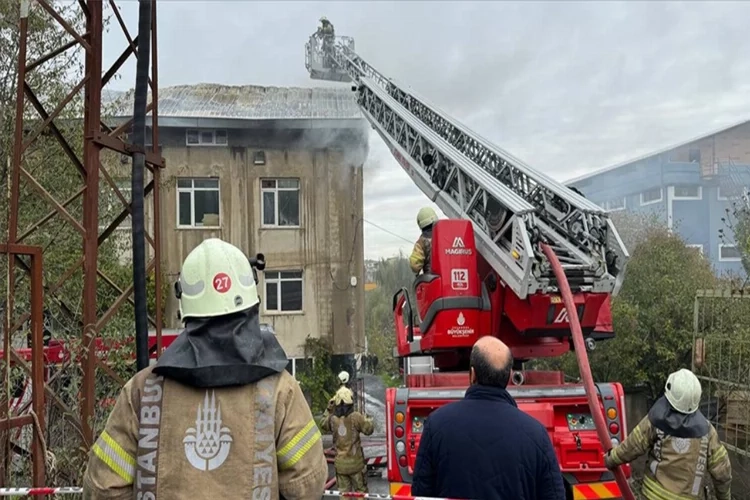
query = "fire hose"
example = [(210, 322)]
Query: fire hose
[(583, 365)]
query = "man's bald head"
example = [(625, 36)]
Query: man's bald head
[(491, 362)]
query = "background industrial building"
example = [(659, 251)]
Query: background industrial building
[(276, 171), (688, 185)]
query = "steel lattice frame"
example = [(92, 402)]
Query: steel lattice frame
[(97, 136), (513, 205)]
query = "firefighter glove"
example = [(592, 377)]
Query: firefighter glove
[(609, 462)]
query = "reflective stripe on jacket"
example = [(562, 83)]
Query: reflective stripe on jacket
[(166, 440), (677, 467)]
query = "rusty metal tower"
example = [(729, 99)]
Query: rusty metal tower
[(87, 316)]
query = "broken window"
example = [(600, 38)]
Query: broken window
[(280, 202), (198, 202)]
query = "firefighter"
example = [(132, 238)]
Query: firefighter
[(218, 403), (420, 256), (326, 34), (682, 446), (326, 28), (346, 425), (344, 384)]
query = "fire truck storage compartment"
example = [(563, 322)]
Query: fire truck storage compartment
[(416, 417), (449, 298)]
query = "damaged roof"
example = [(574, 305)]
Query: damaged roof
[(247, 102)]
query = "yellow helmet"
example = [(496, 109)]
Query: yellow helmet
[(425, 217), (344, 396)]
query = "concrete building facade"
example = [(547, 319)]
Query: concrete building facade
[(689, 186), (276, 171)]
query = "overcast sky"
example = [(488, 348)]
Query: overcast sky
[(568, 87)]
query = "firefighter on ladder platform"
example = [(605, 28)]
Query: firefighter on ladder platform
[(419, 260), (218, 401), (683, 447), (327, 35), (346, 425)]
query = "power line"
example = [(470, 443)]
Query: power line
[(408, 240)]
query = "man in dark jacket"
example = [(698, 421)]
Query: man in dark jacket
[(484, 446)]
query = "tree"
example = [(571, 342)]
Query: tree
[(652, 315), (390, 275), (737, 232), (634, 228)]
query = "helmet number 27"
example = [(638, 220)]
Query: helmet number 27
[(222, 282)]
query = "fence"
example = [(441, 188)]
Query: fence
[(721, 360), (359, 395)]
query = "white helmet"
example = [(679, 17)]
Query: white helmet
[(216, 279), (683, 391), (344, 377)]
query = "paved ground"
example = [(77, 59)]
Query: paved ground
[(373, 445)]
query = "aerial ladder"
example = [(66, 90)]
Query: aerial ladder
[(540, 239), (513, 207)]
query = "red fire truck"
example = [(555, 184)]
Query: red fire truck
[(521, 257)]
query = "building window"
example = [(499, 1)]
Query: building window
[(205, 137), (694, 155), (283, 291), (615, 204), (280, 202), (688, 193), (259, 158), (198, 202), (729, 193), (697, 246), (651, 196), (299, 366), (729, 253)]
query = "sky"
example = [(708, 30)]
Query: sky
[(569, 87)]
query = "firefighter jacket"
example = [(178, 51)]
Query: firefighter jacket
[(419, 260), (325, 30), (165, 440), (677, 466), (342, 390), (350, 459)]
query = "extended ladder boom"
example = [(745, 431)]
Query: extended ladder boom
[(512, 206)]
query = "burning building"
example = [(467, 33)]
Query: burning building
[(276, 171)]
